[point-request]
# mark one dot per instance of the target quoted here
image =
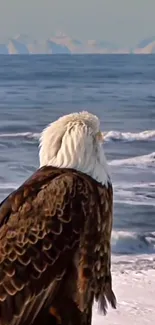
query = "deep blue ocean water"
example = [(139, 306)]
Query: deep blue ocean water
[(120, 89)]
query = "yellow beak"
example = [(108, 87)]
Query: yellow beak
[(99, 136)]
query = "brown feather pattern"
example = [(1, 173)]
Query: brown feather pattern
[(55, 233)]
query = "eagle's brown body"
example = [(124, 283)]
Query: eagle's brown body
[(55, 254)]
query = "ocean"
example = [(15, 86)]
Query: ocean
[(120, 89)]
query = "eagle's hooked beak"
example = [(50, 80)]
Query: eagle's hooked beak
[(99, 136)]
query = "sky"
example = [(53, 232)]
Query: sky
[(124, 22)]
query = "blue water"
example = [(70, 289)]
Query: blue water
[(120, 89)]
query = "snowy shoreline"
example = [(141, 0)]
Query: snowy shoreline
[(135, 292)]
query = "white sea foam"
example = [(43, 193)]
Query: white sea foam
[(144, 161), (129, 136), (28, 135)]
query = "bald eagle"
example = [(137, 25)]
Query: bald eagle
[(55, 231)]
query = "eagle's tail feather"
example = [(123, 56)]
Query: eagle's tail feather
[(109, 297)]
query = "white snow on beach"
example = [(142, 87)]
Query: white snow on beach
[(135, 292)]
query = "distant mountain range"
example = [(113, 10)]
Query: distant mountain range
[(63, 44)]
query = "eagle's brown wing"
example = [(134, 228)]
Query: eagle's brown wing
[(40, 231), (59, 217)]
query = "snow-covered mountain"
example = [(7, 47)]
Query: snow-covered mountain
[(56, 48), (16, 47), (63, 44), (146, 46)]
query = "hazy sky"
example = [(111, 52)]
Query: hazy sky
[(122, 21)]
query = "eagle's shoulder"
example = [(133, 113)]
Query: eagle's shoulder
[(28, 190)]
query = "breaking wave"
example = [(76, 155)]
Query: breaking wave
[(144, 161), (124, 242), (129, 136), (148, 135)]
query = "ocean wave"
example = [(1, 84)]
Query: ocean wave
[(7, 186), (26, 135), (132, 198), (144, 161), (129, 136), (128, 185), (124, 242), (135, 193), (148, 135)]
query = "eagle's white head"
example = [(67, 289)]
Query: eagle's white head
[(75, 141)]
